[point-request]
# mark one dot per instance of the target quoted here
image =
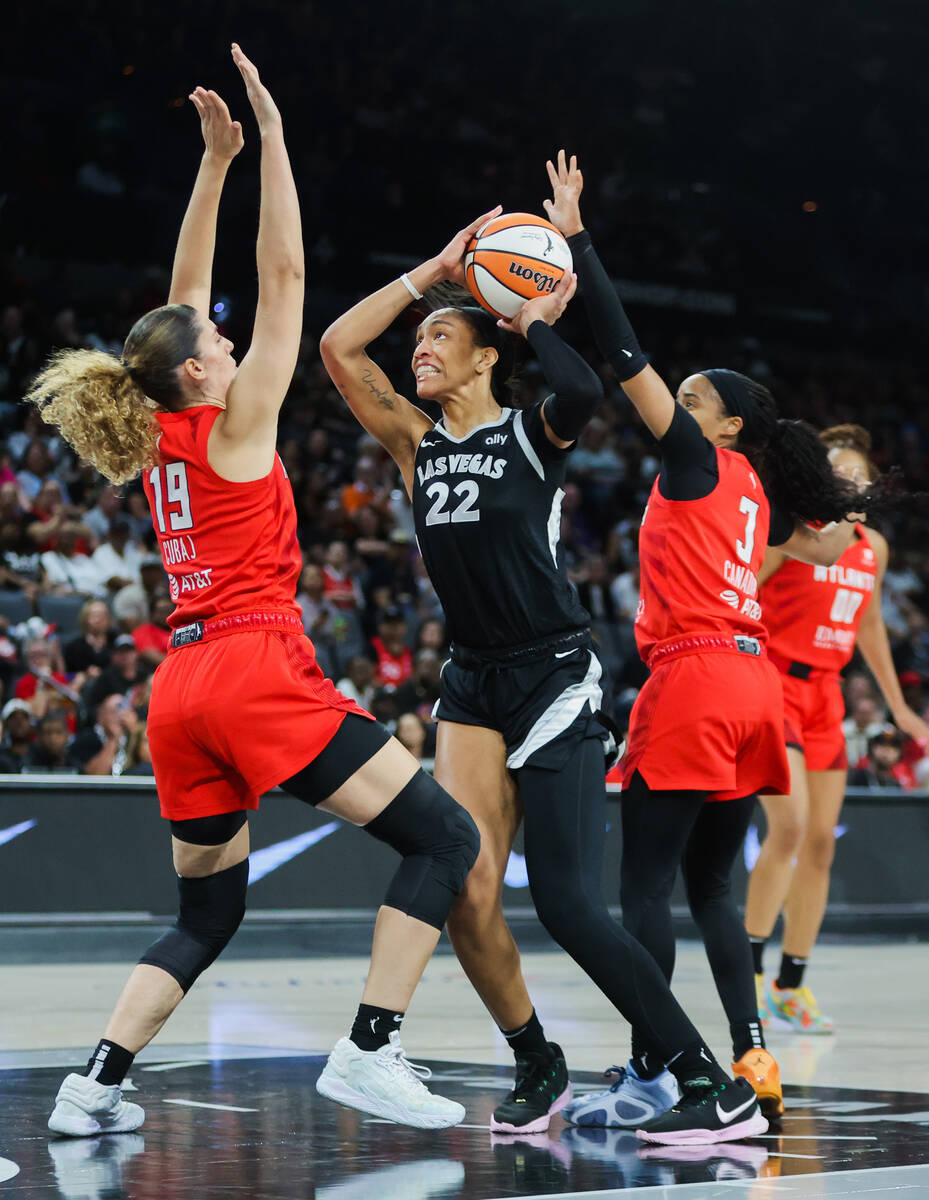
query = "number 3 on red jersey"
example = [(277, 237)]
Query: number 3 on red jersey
[(176, 496), (750, 509)]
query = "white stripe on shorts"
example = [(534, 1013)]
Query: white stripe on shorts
[(560, 714)]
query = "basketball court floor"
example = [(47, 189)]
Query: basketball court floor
[(232, 1111)]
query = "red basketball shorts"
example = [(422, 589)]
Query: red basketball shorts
[(813, 714), (710, 723), (233, 716)]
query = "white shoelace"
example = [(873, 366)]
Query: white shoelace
[(409, 1074)]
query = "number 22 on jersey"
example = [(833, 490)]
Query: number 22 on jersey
[(173, 500)]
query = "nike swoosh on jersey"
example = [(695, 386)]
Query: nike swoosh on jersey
[(565, 653), (726, 1117)]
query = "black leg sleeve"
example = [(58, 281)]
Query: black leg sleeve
[(656, 826), (708, 859), (564, 824)]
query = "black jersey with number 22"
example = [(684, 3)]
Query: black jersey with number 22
[(487, 509)]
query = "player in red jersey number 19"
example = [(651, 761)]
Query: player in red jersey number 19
[(202, 430)]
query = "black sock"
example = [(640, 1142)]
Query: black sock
[(528, 1039), (647, 1066), (109, 1063), (791, 972), (373, 1026), (746, 1035), (758, 945), (696, 1065)]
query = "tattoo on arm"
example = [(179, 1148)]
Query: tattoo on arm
[(384, 398)]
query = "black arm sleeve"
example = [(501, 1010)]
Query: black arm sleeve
[(613, 333), (689, 468), (578, 390)]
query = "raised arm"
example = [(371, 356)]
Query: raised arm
[(576, 386), (192, 273), (611, 328), (390, 418), (243, 438), (874, 645)]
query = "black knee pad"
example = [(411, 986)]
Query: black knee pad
[(439, 843), (210, 911)]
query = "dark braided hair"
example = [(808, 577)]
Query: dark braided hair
[(485, 332), (790, 459)]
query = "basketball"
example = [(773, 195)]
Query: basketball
[(514, 258)]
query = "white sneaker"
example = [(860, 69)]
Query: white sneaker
[(84, 1107), (386, 1084), (629, 1102)]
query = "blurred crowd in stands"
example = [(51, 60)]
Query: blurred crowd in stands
[(724, 262)]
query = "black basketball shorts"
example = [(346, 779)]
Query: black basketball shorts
[(543, 699)]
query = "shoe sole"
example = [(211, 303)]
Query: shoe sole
[(784, 1024), (70, 1125), (755, 1125), (336, 1090), (540, 1124)]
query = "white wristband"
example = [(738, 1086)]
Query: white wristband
[(408, 284)]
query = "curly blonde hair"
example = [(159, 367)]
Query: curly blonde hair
[(105, 406)]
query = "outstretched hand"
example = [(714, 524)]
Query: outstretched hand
[(567, 182), (451, 260), (266, 111), (221, 135), (543, 308)]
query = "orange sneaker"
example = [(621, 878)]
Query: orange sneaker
[(761, 1071)]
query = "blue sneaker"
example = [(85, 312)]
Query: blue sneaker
[(627, 1103)]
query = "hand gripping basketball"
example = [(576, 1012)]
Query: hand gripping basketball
[(543, 308), (451, 260)]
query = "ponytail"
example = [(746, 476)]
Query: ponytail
[(104, 406), (799, 479), (99, 409)]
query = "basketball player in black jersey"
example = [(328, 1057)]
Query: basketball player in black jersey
[(520, 695)]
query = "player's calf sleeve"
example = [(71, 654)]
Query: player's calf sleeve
[(439, 843), (210, 911)]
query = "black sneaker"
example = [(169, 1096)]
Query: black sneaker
[(706, 1113), (542, 1088)]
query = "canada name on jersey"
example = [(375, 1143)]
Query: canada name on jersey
[(742, 592)]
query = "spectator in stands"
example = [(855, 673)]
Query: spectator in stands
[(883, 766), (118, 558), (593, 589), (69, 571), (421, 691), (102, 748), (107, 507), (123, 674), (362, 491), (49, 513), (432, 636), (132, 605), (411, 733), (20, 562), (17, 734), (153, 638), (393, 657), (358, 683), (38, 465), (863, 723), (138, 755), (341, 588), (91, 651), (49, 754), (43, 665)]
